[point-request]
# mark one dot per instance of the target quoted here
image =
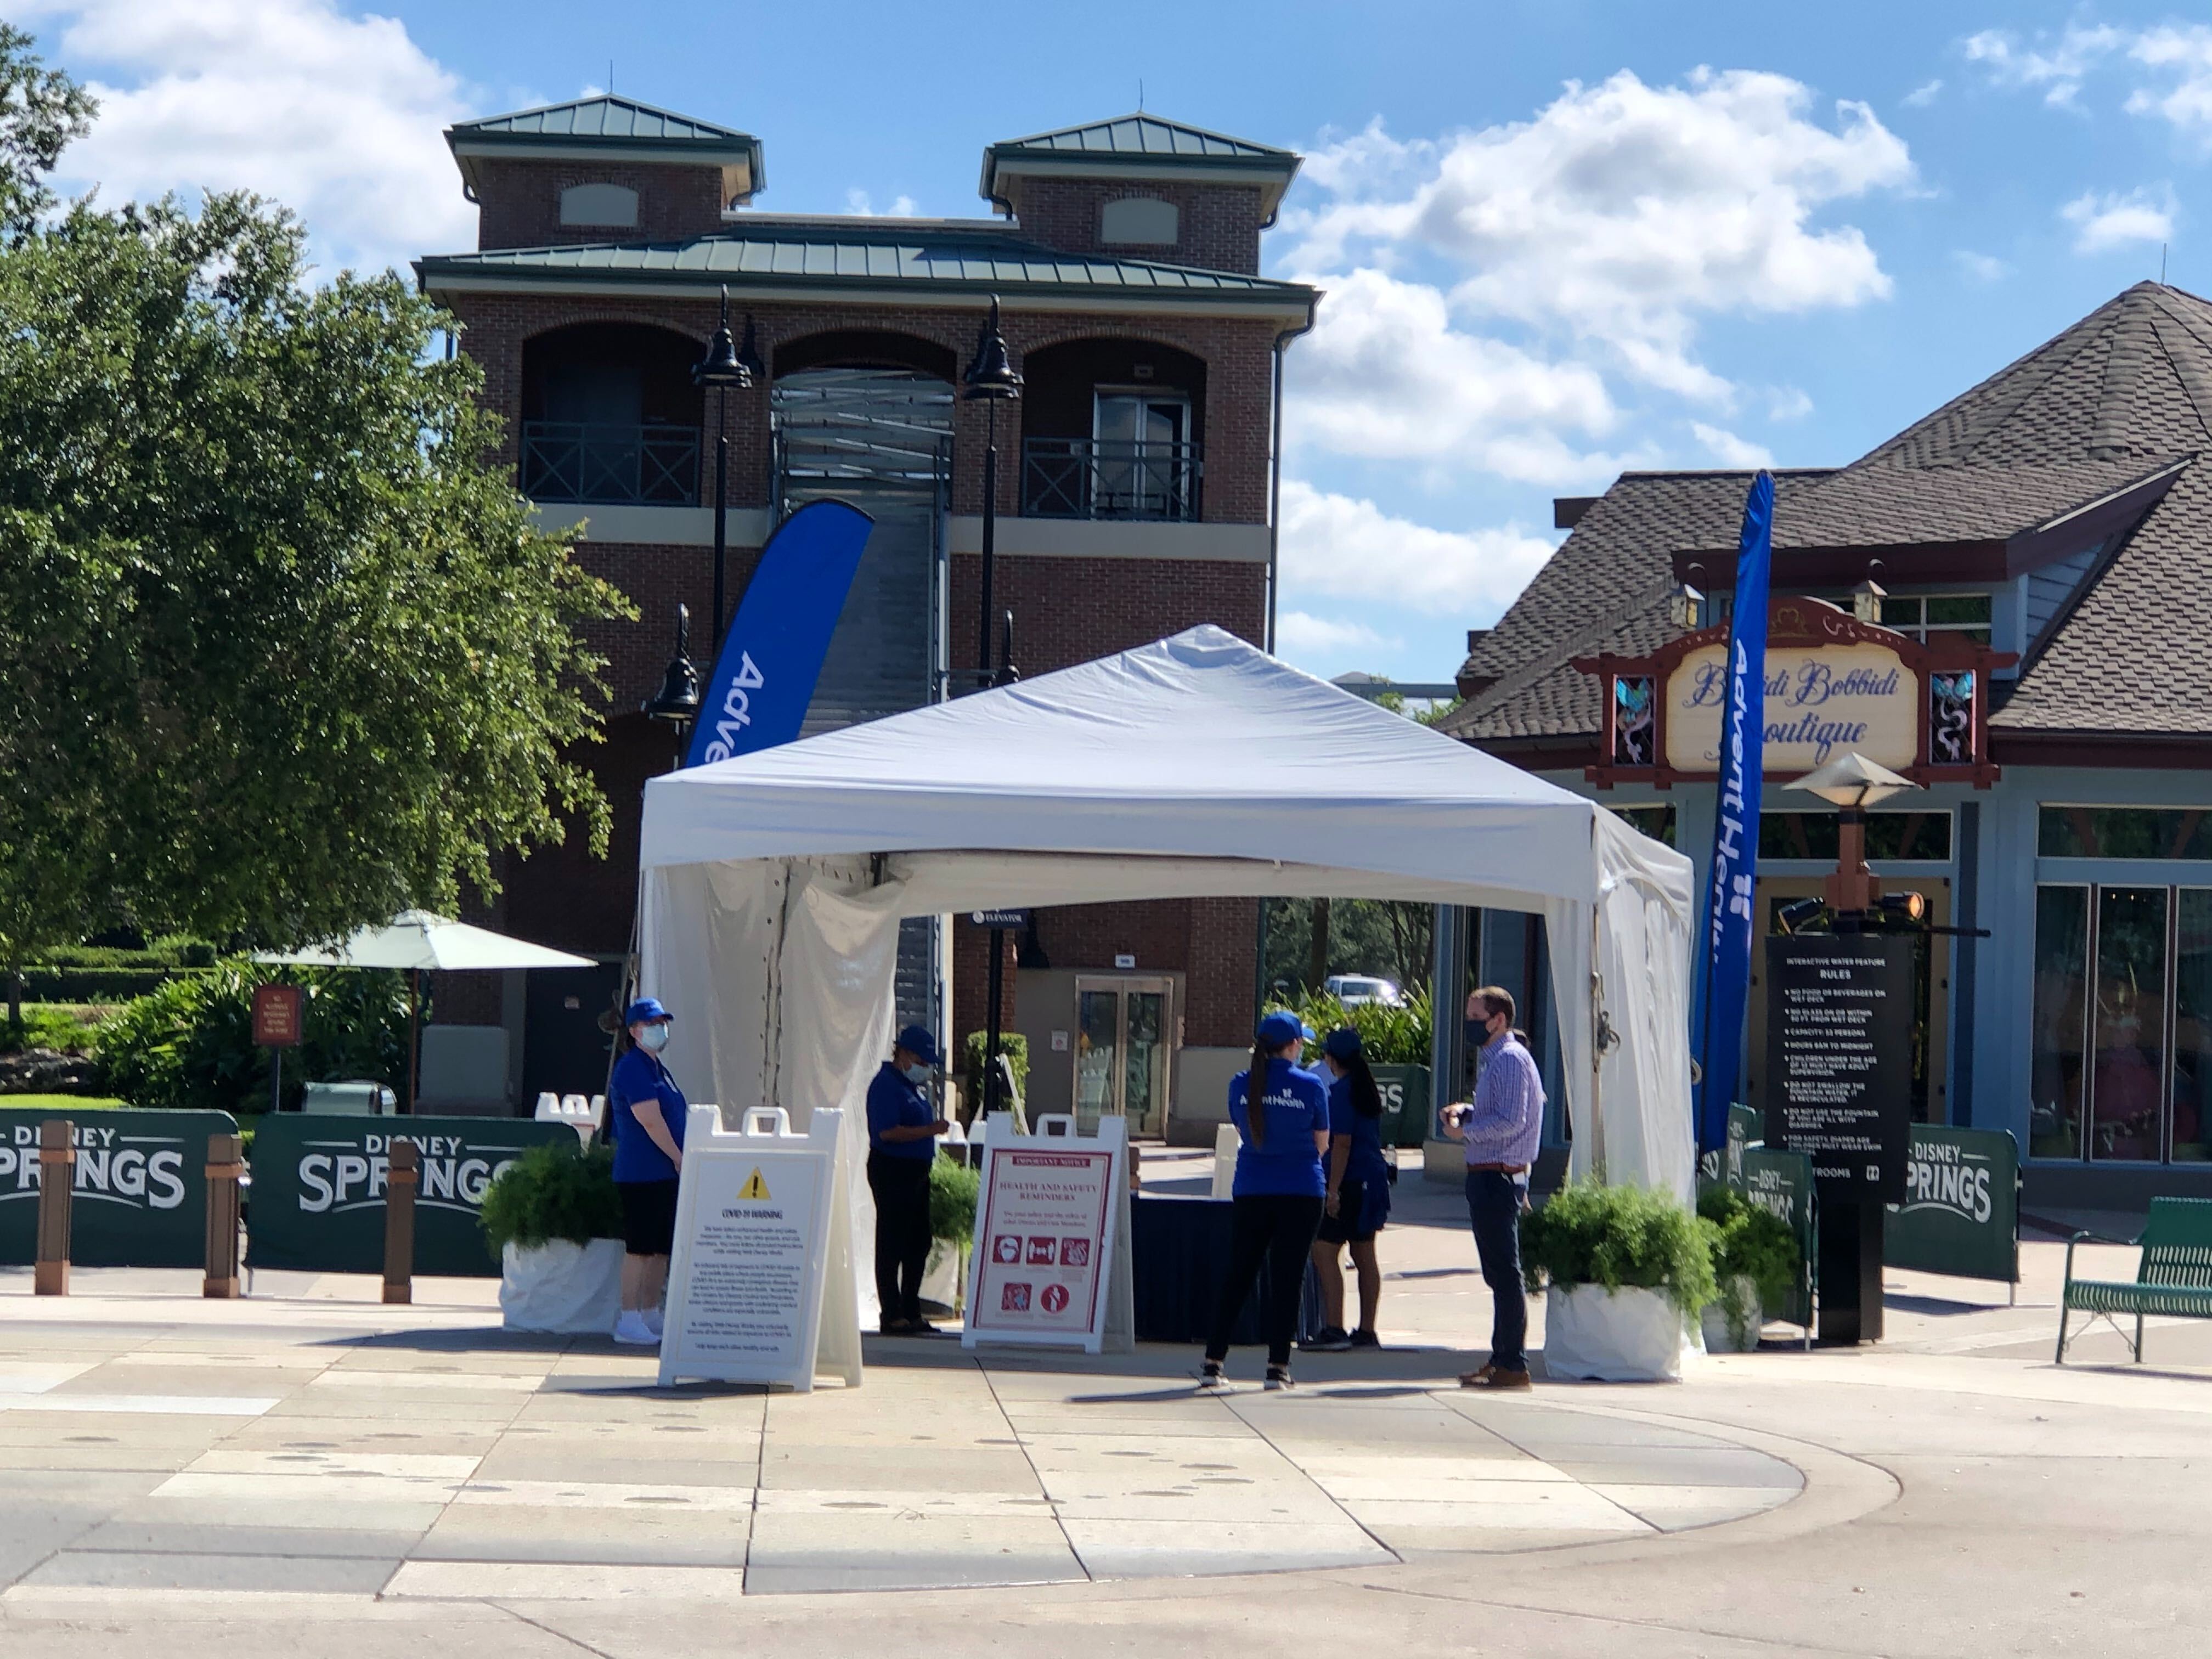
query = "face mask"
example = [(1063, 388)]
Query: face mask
[(917, 1075), (655, 1038)]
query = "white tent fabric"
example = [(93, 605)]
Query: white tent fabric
[(421, 940), (1197, 766)]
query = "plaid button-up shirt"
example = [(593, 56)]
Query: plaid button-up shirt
[(1506, 1124)]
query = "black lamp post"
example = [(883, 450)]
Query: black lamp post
[(992, 378), (722, 367), (676, 705)]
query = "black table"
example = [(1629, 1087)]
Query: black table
[(1178, 1251)]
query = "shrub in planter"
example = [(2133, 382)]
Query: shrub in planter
[(555, 1219), (953, 1188), (1626, 1268), (1012, 1044), (1755, 1261)]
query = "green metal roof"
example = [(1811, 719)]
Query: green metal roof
[(1142, 146), (611, 126), (904, 258)]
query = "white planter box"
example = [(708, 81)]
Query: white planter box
[(1592, 1335), (944, 1280), (570, 1289), (1719, 1338)]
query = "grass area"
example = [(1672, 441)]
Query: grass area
[(69, 1103)]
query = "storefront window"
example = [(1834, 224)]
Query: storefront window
[(2060, 1016), (2193, 1026), (2127, 1085), (2124, 832), (1921, 614), (1889, 836)]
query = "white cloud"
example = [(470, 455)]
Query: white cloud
[(1346, 547), (2058, 67), (860, 203), (1384, 374), (1623, 212), (1789, 403), (2104, 222), (1299, 634), (341, 119), (1979, 267), (1924, 94), (1728, 449), (2187, 102)]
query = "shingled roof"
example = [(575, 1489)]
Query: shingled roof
[(2121, 400)]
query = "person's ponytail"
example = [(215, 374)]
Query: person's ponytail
[(1366, 1094), (1255, 1094)]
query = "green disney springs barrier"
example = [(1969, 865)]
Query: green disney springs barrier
[(317, 1197), (140, 1188), (1962, 1210)]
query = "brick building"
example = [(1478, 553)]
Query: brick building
[(1135, 494)]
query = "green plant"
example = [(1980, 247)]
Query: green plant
[(1747, 1242), (556, 1190), (190, 1042), (1619, 1236), (953, 1188), (48, 1026), (1391, 1036), (1013, 1044)]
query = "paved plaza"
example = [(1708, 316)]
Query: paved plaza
[(224, 1477)]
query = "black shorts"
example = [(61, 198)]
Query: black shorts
[(1358, 1217), (648, 1210)]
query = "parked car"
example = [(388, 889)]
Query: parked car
[(1352, 989)]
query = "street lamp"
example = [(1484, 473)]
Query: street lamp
[(676, 705), (1851, 783), (723, 368), (992, 378)]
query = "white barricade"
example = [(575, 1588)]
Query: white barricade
[(755, 1209), (1049, 1265), (1226, 1141), (584, 1116)]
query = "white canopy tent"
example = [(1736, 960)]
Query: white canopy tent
[(773, 883)]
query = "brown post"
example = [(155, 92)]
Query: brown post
[(223, 1170), (57, 1177), (400, 1222)]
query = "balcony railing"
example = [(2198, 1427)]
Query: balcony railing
[(1091, 478), (583, 461)]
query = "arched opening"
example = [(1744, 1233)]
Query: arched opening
[(866, 347), (1113, 429), (610, 415)]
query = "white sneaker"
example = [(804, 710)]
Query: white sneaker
[(632, 1329), (655, 1321)]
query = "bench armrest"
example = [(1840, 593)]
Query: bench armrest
[(2088, 1236)]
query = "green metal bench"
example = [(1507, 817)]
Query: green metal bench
[(2172, 1280)]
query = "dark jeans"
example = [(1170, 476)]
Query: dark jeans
[(901, 1186), (1493, 1205), (1278, 1229)]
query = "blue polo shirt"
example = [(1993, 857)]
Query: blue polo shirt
[(1297, 1105), (1367, 1163), (894, 1102), (639, 1075)]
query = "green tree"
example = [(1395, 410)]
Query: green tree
[(285, 654), (41, 111)]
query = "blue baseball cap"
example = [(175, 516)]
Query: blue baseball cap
[(1343, 1043), (647, 1011), (917, 1041), (1279, 1028)]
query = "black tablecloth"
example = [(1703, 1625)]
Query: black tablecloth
[(1178, 1250)]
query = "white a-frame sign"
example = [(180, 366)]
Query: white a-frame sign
[(1049, 1265), (755, 1212)]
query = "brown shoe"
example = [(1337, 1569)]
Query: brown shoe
[(1489, 1377)]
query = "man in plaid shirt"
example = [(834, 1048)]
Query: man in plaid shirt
[(1500, 1130)]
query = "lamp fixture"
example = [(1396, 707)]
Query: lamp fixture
[(992, 374), (721, 366), (677, 703), (1686, 606), (1853, 782)]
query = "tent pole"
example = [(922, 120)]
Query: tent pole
[(414, 1040), (1597, 1033)]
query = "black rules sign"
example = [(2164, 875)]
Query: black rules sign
[(1839, 1060)]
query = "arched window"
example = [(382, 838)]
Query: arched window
[(1141, 220), (598, 204), (610, 414)]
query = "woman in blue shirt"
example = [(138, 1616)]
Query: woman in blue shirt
[(1284, 1128), (645, 1118), (1359, 1194)]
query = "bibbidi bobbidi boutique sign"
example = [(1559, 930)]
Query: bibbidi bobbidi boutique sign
[(1821, 702), (319, 1184), (139, 1182)]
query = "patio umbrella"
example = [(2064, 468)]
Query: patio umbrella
[(416, 939)]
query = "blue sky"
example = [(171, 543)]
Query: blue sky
[(1560, 238)]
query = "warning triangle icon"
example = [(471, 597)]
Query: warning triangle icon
[(755, 1187)]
